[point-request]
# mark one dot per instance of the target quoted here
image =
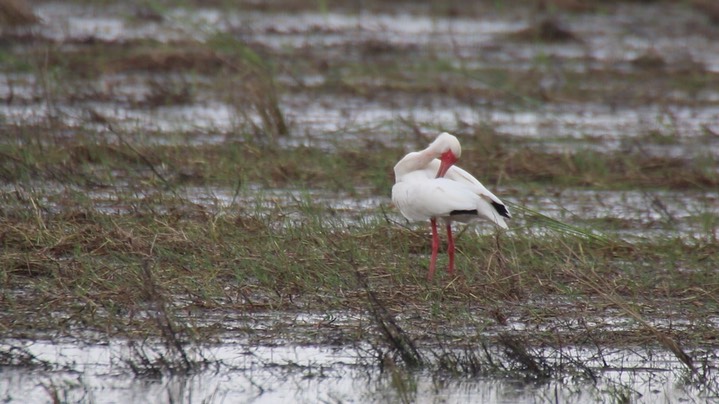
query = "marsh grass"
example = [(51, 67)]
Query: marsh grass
[(147, 268), (101, 233), (87, 162), (249, 244), (289, 254)]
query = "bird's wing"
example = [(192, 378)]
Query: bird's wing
[(441, 197), (423, 199), (463, 177)]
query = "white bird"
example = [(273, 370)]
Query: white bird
[(429, 186)]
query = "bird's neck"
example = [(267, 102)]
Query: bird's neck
[(413, 162)]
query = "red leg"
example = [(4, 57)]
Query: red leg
[(450, 248), (435, 249)]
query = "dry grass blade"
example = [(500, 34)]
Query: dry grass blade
[(393, 333), (593, 281)]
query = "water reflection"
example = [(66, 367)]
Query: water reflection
[(241, 373)]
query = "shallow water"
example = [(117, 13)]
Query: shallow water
[(583, 125), (238, 371), (611, 41), (564, 130), (622, 36), (644, 214)]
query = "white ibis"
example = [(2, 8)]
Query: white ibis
[(429, 186)]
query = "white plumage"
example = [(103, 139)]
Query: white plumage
[(428, 186)]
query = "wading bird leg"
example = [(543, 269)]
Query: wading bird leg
[(450, 248), (435, 249)]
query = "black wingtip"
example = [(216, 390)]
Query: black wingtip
[(501, 209)]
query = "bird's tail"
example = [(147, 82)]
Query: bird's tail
[(493, 211)]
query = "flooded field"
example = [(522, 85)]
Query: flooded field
[(238, 372), (195, 202), (305, 357)]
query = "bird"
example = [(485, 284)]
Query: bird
[(429, 186)]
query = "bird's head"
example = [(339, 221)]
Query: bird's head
[(448, 151)]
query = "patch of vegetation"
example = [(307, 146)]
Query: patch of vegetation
[(297, 252), (86, 162)]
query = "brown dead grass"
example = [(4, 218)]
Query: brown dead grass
[(546, 30), (649, 60), (184, 58), (15, 13), (709, 8), (574, 6)]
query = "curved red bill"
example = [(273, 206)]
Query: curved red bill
[(447, 160)]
